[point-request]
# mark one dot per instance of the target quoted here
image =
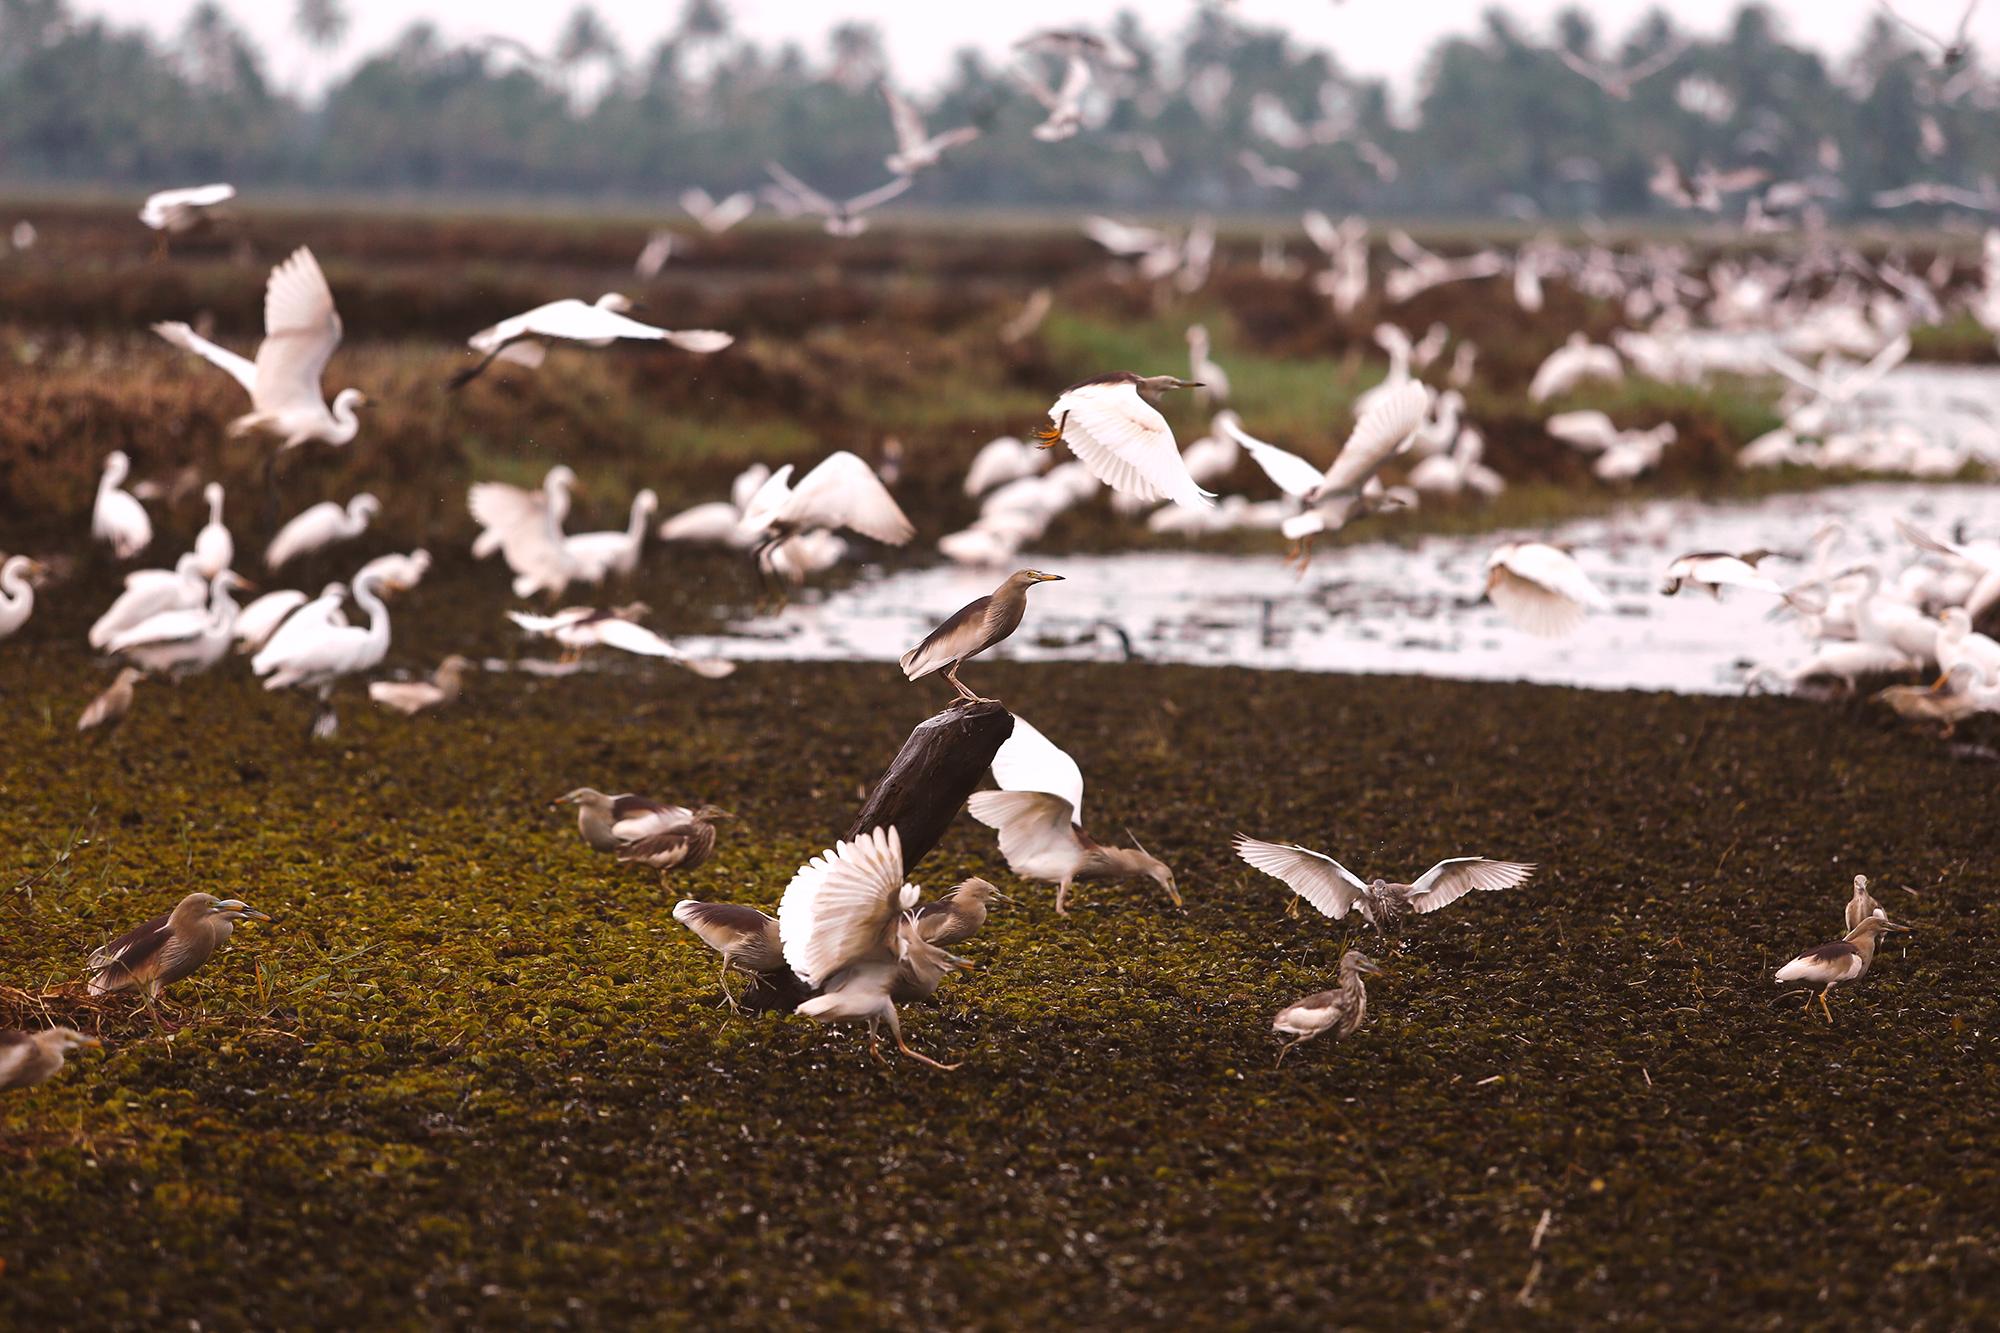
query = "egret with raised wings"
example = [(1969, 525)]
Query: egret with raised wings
[(1541, 588), (841, 217), (716, 216), (580, 628), (841, 491), (301, 331), (1114, 426), (526, 528), (916, 147)]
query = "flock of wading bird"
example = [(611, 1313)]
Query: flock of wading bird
[(849, 929)]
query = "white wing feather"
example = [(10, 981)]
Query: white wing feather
[(240, 368), (844, 492), (1126, 443), (839, 904), (1451, 879), (1384, 429), (1037, 835), (301, 331), (1030, 761), (1314, 876)]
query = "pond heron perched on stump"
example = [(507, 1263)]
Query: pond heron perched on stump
[(1825, 966), (151, 957), (1340, 1010), (972, 629), (1334, 889)]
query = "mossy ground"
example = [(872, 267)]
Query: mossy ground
[(475, 1073)]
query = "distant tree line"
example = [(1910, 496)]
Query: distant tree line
[(1500, 123)]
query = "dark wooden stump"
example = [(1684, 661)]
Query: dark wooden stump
[(937, 768)]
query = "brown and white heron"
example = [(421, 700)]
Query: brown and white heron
[(109, 708), (410, 697), (957, 916), (30, 1059), (1039, 815), (746, 938), (972, 629), (641, 829), (1862, 905), (1335, 890), (1114, 426), (1828, 965), (847, 929), (1339, 1011), (153, 956)]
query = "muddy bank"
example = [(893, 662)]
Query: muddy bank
[(475, 1073)]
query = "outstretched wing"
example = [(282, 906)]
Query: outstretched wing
[(1385, 428), (1126, 443), (1449, 880), (1037, 835), (1314, 876), (301, 329), (241, 369), (844, 492), (1030, 761), (840, 904), (1288, 472)]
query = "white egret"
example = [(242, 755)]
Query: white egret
[(176, 212), (214, 548), (1335, 890), (1063, 104), (842, 217), (1541, 588), (916, 147), (581, 628), (301, 331), (257, 622), (150, 591), (320, 526), (1001, 460), (841, 491), (17, 591), (847, 929), (1958, 646), (1458, 470), (653, 256), (526, 528), (588, 324), (1038, 813), (717, 216), (117, 517), (1203, 369), (1577, 360), (1114, 426), (598, 555), (316, 654), (183, 643), (1716, 570)]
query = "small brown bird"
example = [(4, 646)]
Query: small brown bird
[(972, 629), (1862, 905), (154, 956), (1829, 965), (410, 697), (958, 915), (109, 708), (1340, 1010), (746, 938), (30, 1059)]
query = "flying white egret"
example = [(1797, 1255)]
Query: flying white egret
[(526, 528), (1334, 889), (581, 628), (17, 591), (717, 216), (1951, 54), (1621, 454), (117, 517), (598, 555), (1001, 460), (1980, 559), (1063, 104), (174, 212), (1114, 426), (320, 526), (1716, 570), (1081, 44), (301, 331), (841, 491), (1038, 813), (214, 548), (316, 654), (1541, 588), (1835, 384), (150, 591), (716, 522), (842, 217), (847, 928), (653, 256), (183, 643), (590, 324), (1619, 83), (1266, 175), (916, 147)]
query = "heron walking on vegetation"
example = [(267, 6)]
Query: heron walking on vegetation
[(1340, 1010)]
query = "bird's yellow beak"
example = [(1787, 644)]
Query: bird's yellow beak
[(90, 1041), (1048, 578), (252, 914)]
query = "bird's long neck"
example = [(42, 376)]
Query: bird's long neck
[(109, 481), (215, 508), (346, 425), (378, 614), (15, 590), (1116, 862), (635, 526)]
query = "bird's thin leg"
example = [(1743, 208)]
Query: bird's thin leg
[(1286, 1049), (1292, 908), (1050, 436), (920, 1057), (727, 994), (1823, 1007), (1062, 898)]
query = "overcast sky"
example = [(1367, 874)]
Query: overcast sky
[(1385, 38)]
